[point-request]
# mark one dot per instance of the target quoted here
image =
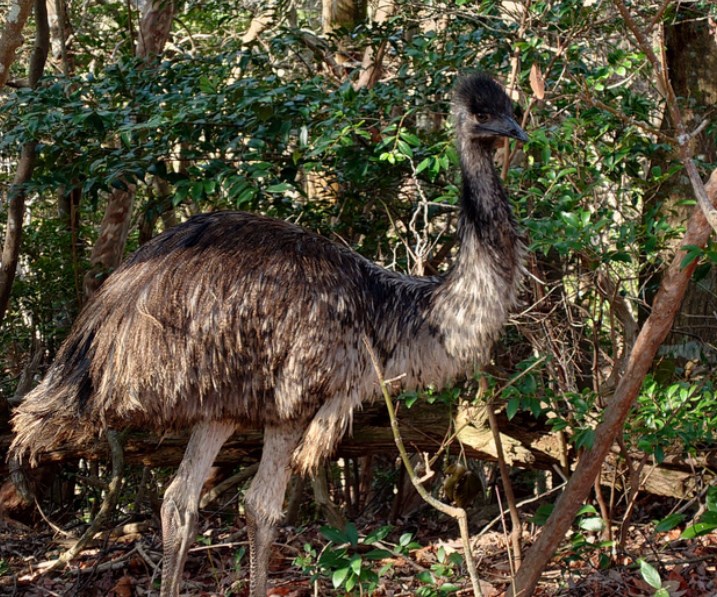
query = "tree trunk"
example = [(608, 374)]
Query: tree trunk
[(108, 251), (269, 14), (342, 13), (16, 196), (691, 57), (60, 30), (11, 36), (109, 248), (154, 28), (372, 63)]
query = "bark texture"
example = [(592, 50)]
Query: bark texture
[(691, 55), (11, 36), (108, 250)]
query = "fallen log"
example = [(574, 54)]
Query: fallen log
[(424, 428)]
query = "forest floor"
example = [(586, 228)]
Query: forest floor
[(126, 566)]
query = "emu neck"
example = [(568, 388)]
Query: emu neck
[(476, 296), (486, 216)]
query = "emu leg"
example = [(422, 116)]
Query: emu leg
[(264, 501), (181, 500)]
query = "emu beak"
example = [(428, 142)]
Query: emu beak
[(504, 126)]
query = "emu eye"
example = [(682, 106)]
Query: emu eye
[(481, 117)]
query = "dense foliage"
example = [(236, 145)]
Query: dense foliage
[(271, 127)]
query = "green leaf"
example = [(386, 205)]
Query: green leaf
[(378, 554), (593, 525), (650, 575), (585, 438), (334, 535), (196, 190), (377, 534), (405, 148), (351, 533), (707, 524), (425, 577), (339, 577), (711, 501), (512, 407), (410, 138), (206, 86), (409, 398), (356, 564), (586, 509), (542, 514), (558, 424), (692, 252), (620, 256), (280, 187), (669, 522), (423, 164)]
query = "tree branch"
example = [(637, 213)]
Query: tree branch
[(16, 196), (458, 514), (666, 304)]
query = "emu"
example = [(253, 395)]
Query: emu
[(232, 320)]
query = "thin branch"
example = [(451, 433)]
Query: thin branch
[(517, 527), (665, 307), (524, 502), (108, 504), (658, 15), (228, 483), (457, 513)]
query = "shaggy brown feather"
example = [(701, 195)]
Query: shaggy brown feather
[(239, 319), (187, 330)]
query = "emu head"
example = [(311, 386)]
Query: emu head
[(483, 112)]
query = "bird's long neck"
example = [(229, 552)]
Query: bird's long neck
[(486, 217), (474, 300)]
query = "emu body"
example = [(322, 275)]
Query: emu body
[(236, 320)]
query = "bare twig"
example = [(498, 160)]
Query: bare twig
[(228, 483), (517, 527), (457, 513), (145, 556), (522, 503), (108, 504), (51, 524)]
